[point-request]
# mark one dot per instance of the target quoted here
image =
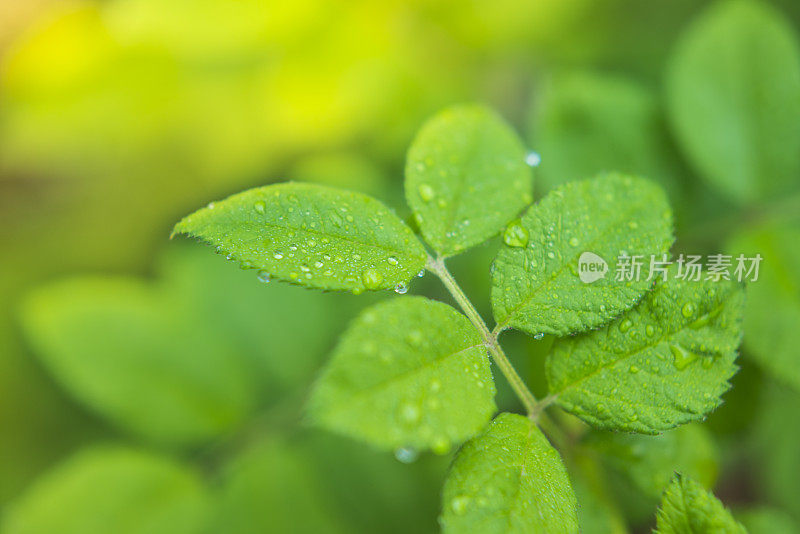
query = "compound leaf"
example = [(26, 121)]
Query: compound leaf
[(311, 235), (664, 363), (687, 508), (772, 311), (733, 91), (409, 373), (112, 490), (536, 283), (509, 480), (649, 462), (466, 177)]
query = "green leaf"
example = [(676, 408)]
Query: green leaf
[(466, 177), (128, 351), (733, 91), (408, 373), (767, 521), (687, 508), (311, 235), (664, 363), (585, 123), (382, 494), (272, 488), (772, 311), (265, 325), (535, 282), (112, 490), (598, 511), (508, 480), (649, 462), (777, 439)]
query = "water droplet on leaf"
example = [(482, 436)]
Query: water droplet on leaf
[(516, 235), (426, 192), (406, 455)]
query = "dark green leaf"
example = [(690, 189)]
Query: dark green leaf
[(733, 91)]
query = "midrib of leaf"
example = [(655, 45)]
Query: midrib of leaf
[(347, 238), (502, 324), (666, 337), (397, 378), (516, 500), (462, 177)]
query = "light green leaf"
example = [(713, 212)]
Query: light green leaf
[(311, 235), (687, 508), (129, 351), (767, 521), (733, 91), (466, 177), (649, 462), (536, 285), (112, 490), (508, 480), (664, 363), (772, 311), (409, 373), (585, 123), (272, 488)]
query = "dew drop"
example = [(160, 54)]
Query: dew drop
[(516, 235), (371, 279), (573, 241), (401, 289), (421, 273), (460, 504), (426, 192), (681, 358), (625, 325), (409, 413), (391, 260), (260, 206), (533, 159), (406, 455), (263, 277), (440, 446), (538, 335)]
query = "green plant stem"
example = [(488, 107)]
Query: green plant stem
[(437, 267)]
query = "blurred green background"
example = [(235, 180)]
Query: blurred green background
[(149, 386)]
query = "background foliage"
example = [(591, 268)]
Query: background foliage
[(154, 369)]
